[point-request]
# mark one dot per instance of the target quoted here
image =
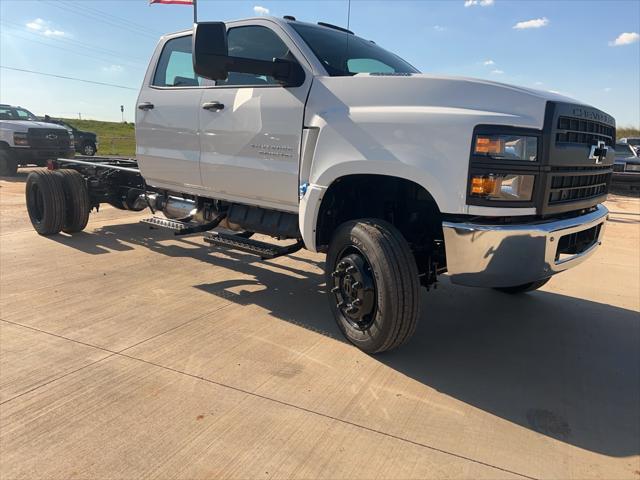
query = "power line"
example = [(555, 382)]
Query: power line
[(100, 18), (75, 52), (68, 78), (115, 18), (74, 43)]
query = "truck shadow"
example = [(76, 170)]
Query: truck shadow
[(565, 367)]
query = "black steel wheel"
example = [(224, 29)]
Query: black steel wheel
[(524, 288), (372, 285), (45, 201)]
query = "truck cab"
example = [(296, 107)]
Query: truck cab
[(310, 133)]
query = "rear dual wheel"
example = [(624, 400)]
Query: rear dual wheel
[(373, 285), (57, 201)]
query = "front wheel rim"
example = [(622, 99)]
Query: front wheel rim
[(354, 289)]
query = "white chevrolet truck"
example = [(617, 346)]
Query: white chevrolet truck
[(323, 140)]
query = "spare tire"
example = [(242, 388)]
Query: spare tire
[(45, 201), (77, 201)]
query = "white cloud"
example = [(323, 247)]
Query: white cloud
[(535, 23), (626, 38), (497, 72), (488, 62), (113, 68), (37, 24), (607, 89), (258, 10), (482, 3), (439, 28), (539, 83), (44, 27)]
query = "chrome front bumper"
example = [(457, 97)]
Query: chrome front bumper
[(482, 255)]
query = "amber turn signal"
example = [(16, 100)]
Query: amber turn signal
[(483, 185), (489, 145)]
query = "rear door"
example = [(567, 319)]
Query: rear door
[(167, 123), (251, 126)]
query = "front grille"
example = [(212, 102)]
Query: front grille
[(48, 138), (587, 132), (566, 187)]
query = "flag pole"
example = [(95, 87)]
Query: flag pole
[(195, 11)]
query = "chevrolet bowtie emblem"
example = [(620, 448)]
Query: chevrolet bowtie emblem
[(598, 152)]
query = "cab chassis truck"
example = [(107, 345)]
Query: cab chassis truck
[(311, 134)]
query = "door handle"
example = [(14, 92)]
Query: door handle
[(213, 106), (146, 106)]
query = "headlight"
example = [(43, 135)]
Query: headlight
[(632, 167), (508, 147), (503, 186), (20, 139)]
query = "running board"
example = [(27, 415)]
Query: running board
[(169, 224), (264, 250)]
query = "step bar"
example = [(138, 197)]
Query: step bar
[(264, 250)]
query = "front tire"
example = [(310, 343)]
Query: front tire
[(8, 164), (524, 288), (45, 202), (373, 285), (89, 149)]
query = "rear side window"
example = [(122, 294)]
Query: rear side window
[(6, 114), (175, 67)]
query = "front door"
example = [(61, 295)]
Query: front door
[(167, 123), (251, 127)]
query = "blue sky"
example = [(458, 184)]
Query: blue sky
[(588, 50)]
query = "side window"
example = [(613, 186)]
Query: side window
[(6, 114), (175, 67), (257, 43), (24, 115)]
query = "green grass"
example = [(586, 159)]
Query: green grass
[(119, 138), (622, 132), (114, 138)]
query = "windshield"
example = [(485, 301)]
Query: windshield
[(11, 113), (344, 54), (622, 149)]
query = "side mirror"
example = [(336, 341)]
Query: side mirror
[(210, 51), (211, 58)]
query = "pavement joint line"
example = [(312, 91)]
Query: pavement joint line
[(330, 417), (111, 352), (246, 392)]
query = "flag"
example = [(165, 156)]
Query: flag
[(175, 2)]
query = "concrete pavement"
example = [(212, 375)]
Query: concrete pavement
[(125, 353)]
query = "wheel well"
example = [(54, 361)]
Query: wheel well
[(403, 203)]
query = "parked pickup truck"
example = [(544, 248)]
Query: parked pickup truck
[(24, 140), (308, 133)]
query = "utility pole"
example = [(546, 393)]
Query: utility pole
[(122, 112), (79, 116)]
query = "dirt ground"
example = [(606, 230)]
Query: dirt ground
[(126, 352)]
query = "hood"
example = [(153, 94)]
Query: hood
[(23, 125), (415, 93)]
